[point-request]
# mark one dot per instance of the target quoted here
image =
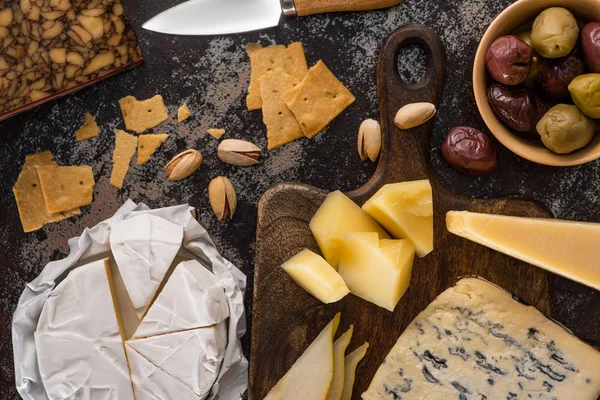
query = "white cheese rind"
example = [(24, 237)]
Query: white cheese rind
[(78, 341), (144, 248), (475, 342), (191, 357), (151, 383), (192, 298)]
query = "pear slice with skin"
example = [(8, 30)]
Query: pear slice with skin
[(351, 363), (311, 376), (339, 352)]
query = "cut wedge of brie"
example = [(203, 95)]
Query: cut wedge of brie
[(151, 383), (192, 298), (144, 248), (192, 357), (78, 340)]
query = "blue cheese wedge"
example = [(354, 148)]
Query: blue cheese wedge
[(475, 342)]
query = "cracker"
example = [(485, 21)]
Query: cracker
[(89, 129), (216, 133), (290, 59), (66, 188), (29, 196), (318, 99), (125, 145), (147, 145), (183, 113), (282, 126), (142, 115)]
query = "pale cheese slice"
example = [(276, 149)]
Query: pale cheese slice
[(151, 383), (191, 357), (78, 341), (567, 248), (144, 247)]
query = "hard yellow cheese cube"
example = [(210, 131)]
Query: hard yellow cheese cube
[(376, 270), (337, 216), (406, 211), (316, 276)]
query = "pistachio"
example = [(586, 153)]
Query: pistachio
[(183, 165), (369, 140), (222, 197), (238, 152), (413, 115)]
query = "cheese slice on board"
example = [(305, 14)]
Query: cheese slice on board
[(191, 357), (151, 383), (567, 248), (475, 342), (192, 298), (144, 247), (79, 345)]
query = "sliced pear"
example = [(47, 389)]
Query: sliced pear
[(405, 210), (316, 276), (311, 375), (350, 365), (337, 216), (376, 270), (339, 352)]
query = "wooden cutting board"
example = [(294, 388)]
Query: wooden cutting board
[(285, 319)]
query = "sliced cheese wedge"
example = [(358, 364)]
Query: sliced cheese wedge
[(350, 364), (78, 340), (566, 248), (339, 352), (144, 247), (192, 298), (151, 383), (191, 357), (312, 374)]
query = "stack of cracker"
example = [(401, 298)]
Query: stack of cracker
[(296, 101)]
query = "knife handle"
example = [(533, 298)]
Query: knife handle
[(310, 7)]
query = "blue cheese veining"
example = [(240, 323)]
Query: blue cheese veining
[(475, 342)]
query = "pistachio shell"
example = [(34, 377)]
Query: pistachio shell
[(415, 114), (183, 165), (222, 197), (238, 152), (369, 140)]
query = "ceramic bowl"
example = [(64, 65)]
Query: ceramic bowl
[(513, 20)]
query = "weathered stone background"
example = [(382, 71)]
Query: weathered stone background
[(211, 74)]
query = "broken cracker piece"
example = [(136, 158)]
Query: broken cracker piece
[(89, 129), (142, 115), (183, 113), (125, 145), (282, 126), (216, 133), (290, 59), (147, 145), (29, 196), (66, 188), (318, 99)]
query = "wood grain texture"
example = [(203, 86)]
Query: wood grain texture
[(310, 7), (286, 318)]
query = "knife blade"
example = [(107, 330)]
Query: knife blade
[(217, 17)]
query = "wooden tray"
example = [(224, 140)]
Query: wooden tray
[(285, 319)]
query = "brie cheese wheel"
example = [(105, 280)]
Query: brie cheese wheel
[(151, 383), (79, 345), (192, 298), (191, 357), (144, 248)]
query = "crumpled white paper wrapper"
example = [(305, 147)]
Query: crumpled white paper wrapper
[(93, 244)]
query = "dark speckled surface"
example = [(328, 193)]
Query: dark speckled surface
[(211, 75)]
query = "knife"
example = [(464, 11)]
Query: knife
[(217, 17)]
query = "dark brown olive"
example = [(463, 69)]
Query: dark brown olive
[(470, 151), (590, 41), (556, 74), (515, 106), (508, 60)]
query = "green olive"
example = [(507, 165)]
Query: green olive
[(554, 33), (585, 91), (526, 37), (565, 129), (536, 59)]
